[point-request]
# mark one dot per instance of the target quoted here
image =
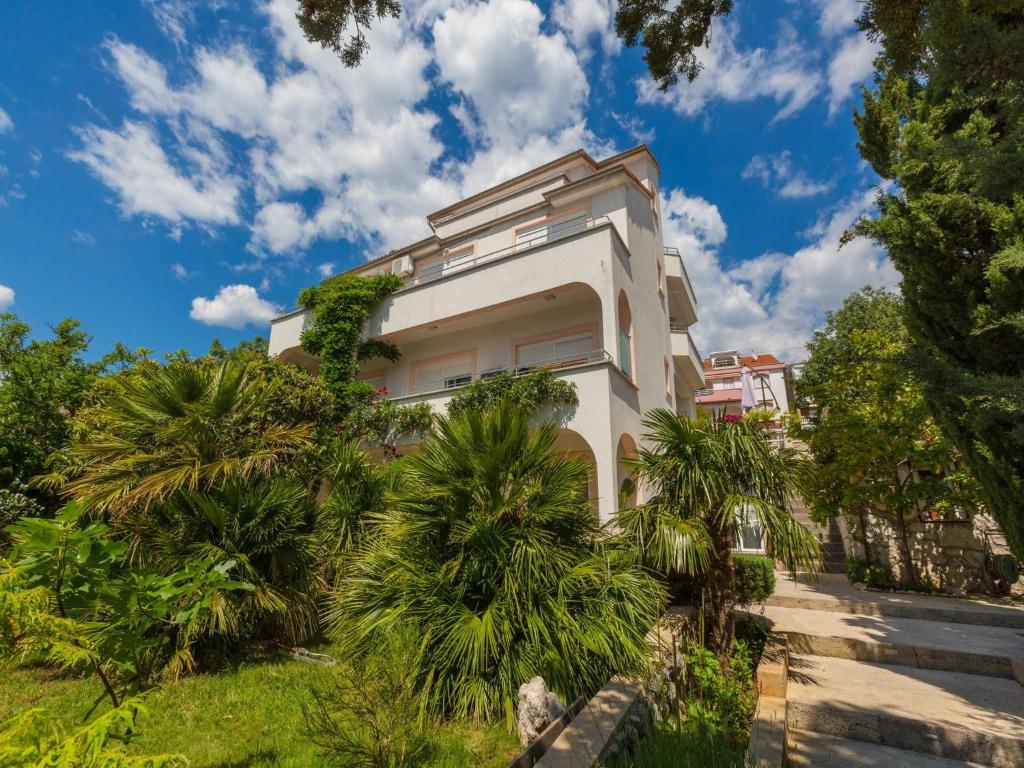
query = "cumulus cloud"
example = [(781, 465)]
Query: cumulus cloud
[(774, 302), (6, 124), (517, 79), (786, 73), (852, 65), (776, 172), (6, 298), (132, 162), (234, 306), (326, 269), (582, 20)]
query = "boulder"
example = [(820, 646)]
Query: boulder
[(538, 708)]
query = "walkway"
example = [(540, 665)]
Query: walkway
[(886, 679)]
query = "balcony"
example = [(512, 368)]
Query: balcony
[(682, 302), (688, 364)]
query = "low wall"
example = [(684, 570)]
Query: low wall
[(598, 730), (767, 746)]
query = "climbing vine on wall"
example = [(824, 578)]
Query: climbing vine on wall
[(340, 308)]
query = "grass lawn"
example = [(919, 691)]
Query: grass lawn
[(250, 717)]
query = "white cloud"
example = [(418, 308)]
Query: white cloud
[(518, 79), (837, 17), (234, 306), (852, 64), (83, 238), (583, 19), (6, 298), (181, 272), (786, 73), (776, 171), (774, 302), (326, 269), (132, 162), (6, 124), (172, 16)]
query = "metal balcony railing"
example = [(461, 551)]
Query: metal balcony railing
[(458, 381), (438, 271)]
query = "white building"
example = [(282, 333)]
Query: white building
[(562, 267)]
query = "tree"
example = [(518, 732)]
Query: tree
[(188, 426), (874, 429), (704, 478), (490, 554), (946, 125), (327, 22), (43, 383)]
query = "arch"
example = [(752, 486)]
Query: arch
[(626, 348), (624, 451), (574, 444)]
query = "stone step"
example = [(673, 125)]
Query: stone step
[(946, 714), (819, 750), (832, 592), (950, 646)]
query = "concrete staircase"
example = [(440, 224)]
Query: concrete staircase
[(885, 679), (829, 536)]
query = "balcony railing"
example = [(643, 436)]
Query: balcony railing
[(458, 381), (680, 328), (439, 271)]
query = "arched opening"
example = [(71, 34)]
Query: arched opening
[(575, 444), (625, 482), (626, 346)]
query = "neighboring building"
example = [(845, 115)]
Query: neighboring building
[(562, 267), (723, 372)]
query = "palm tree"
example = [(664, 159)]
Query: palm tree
[(491, 554), (702, 477), (268, 528), (186, 426)]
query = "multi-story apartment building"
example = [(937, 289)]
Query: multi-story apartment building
[(563, 268), (723, 373)]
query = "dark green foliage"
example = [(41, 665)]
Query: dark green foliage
[(946, 124), (13, 507), (340, 308), (874, 425), (42, 384), (755, 579), (683, 745), (270, 530), (670, 31), (327, 22), (860, 571), (491, 554), (530, 393)]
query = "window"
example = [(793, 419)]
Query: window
[(749, 537), (446, 373), (377, 379), (724, 361), (570, 349), (457, 260), (668, 379), (661, 277), (551, 229), (625, 336)]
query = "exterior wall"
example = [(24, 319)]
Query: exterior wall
[(948, 554), (509, 292)]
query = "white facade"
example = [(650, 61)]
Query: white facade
[(562, 267)]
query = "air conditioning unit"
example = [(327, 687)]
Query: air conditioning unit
[(402, 266)]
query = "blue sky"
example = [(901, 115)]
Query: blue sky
[(174, 171)]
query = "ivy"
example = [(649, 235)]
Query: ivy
[(340, 308), (529, 393)]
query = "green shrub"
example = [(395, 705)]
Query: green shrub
[(720, 699), (530, 392), (683, 745), (859, 571), (369, 715), (755, 579)]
